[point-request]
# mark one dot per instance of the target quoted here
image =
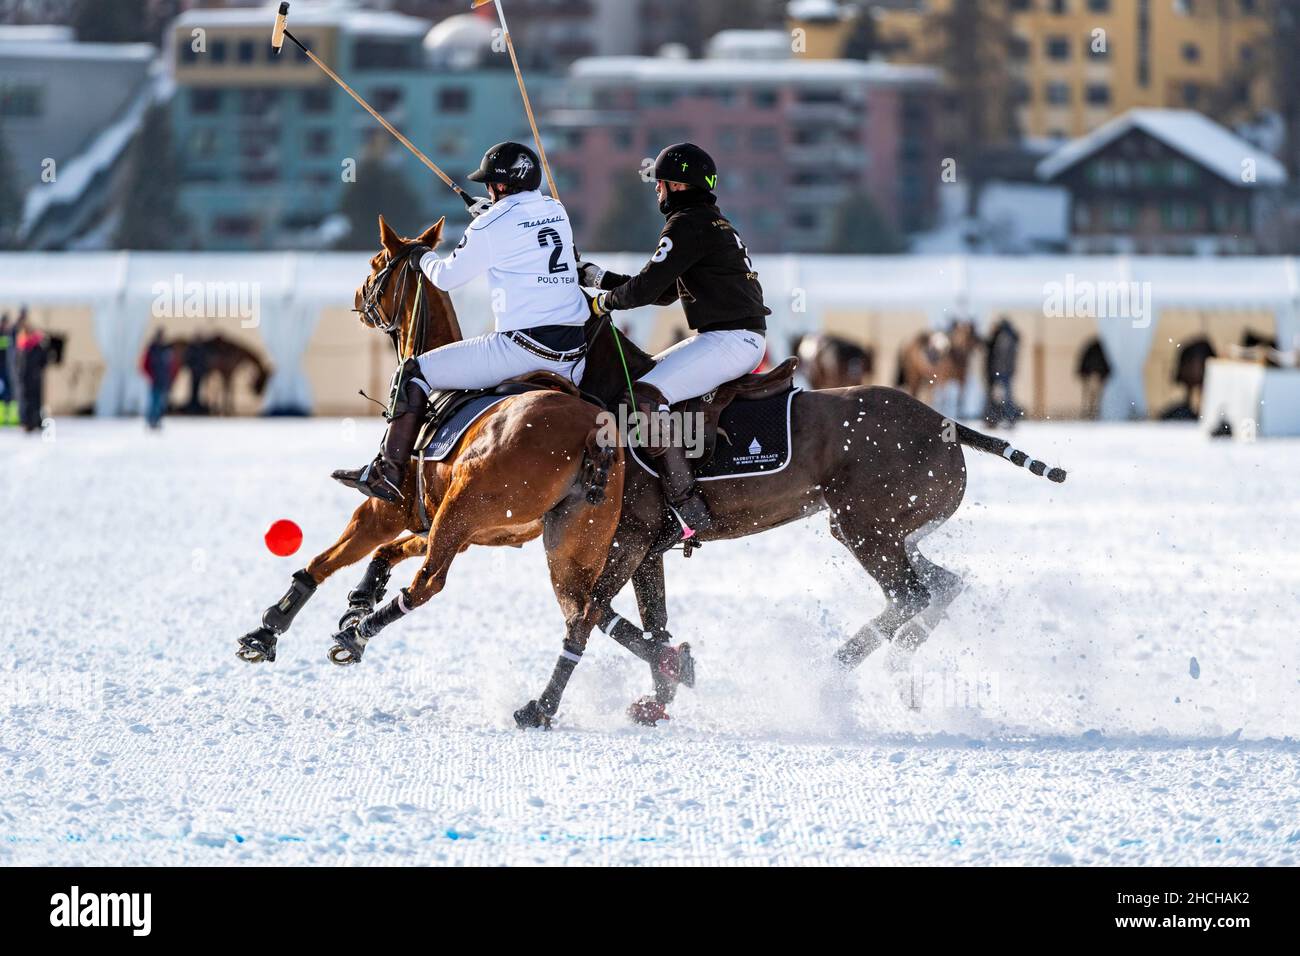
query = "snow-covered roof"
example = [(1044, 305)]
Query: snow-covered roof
[(76, 174), (1193, 134), (746, 44), (651, 70), (54, 47), (814, 10), (302, 14)]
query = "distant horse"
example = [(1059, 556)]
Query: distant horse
[(1093, 371), (934, 365), (829, 361), (204, 356)]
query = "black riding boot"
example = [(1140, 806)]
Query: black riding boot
[(383, 477), (675, 472)]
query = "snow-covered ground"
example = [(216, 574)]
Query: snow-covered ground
[(1118, 684)]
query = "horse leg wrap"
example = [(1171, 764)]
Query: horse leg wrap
[(370, 591), (394, 610), (569, 657), (280, 615), (644, 644)]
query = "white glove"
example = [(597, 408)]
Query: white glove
[(479, 206), (589, 275)]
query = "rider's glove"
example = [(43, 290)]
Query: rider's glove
[(479, 206), (589, 275)]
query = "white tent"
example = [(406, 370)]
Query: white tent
[(290, 290)]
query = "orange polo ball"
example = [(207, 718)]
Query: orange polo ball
[(283, 538)]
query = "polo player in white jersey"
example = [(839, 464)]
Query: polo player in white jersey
[(522, 241)]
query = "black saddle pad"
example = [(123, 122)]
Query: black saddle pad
[(436, 441), (753, 440)]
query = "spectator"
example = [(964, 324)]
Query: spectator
[(1000, 369), (8, 403), (159, 363), (33, 354)]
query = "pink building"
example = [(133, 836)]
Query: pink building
[(794, 140)]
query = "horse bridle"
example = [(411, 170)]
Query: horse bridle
[(372, 296)]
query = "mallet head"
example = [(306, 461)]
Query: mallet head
[(277, 34)]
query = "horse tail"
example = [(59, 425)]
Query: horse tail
[(996, 446), (597, 459)]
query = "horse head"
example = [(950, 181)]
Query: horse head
[(397, 298)]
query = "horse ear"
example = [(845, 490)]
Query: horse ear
[(389, 239), (433, 235)]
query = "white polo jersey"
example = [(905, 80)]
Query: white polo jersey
[(524, 245)]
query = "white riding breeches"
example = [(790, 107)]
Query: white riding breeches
[(701, 363), (487, 360)]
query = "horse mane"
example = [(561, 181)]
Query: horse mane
[(604, 376)]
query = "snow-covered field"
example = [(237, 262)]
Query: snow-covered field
[(1117, 685)]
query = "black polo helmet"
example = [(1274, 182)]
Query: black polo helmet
[(509, 164), (687, 163)]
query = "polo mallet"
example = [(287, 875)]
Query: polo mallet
[(281, 30), (523, 90)]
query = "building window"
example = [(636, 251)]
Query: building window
[(764, 138), (188, 53), (1098, 94), (385, 98), (1191, 52), (1246, 54), (804, 219), (1058, 48), (1018, 47), (1191, 94), (1099, 6), (257, 102), (245, 52), (1058, 94), (622, 138), (319, 141), (204, 100), (765, 99), (316, 99), (1059, 7), (218, 51), (453, 99), (1121, 216), (20, 100), (234, 226), (382, 55)]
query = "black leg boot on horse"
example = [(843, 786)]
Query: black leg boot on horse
[(383, 477), (675, 472)]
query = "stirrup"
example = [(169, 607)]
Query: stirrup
[(361, 481)]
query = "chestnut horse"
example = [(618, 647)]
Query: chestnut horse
[(934, 365), (571, 495)]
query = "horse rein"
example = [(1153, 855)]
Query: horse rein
[(372, 302)]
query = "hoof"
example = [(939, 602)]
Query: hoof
[(676, 664), (647, 711), (348, 647), (257, 646), (531, 715)]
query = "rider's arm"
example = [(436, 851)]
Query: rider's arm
[(470, 259), (656, 284)]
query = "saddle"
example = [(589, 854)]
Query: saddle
[(751, 387), (443, 404)]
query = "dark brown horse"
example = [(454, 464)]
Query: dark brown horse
[(828, 361), (571, 493)]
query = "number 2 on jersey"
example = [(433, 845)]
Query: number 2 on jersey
[(549, 237)]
